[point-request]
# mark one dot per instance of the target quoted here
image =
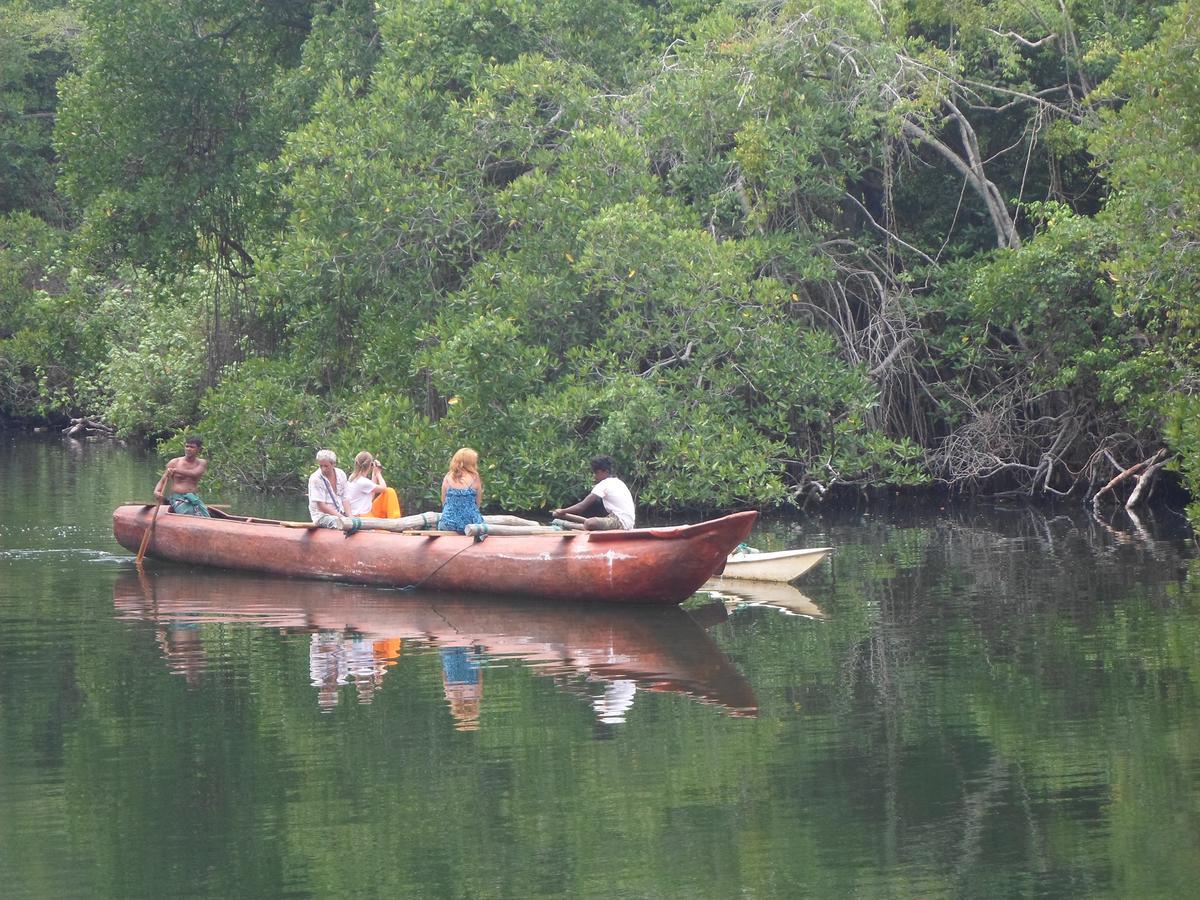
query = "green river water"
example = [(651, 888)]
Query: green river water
[(986, 701)]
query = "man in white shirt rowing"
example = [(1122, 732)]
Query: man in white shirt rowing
[(611, 492)]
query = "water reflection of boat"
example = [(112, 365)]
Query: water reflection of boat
[(358, 631), (736, 593)]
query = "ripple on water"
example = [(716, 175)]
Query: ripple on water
[(48, 554)]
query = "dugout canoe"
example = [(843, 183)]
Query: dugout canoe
[(782, 565), (643, 565), (658, 648)]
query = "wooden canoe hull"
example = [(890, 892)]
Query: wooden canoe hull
[(783, 565), (645, 565)]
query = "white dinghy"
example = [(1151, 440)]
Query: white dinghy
[(782, 565)]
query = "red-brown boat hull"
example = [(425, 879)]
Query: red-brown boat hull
[(645, 565)]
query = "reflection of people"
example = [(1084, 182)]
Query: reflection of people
[(335, 659), (367, 494), (183, 650), (387, 651), (462, 492), (326, 667), (183, 474), (462, 681), (362, 668), (611, 491), (327, 492), (616, 700)]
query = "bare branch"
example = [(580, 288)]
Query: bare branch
[(1006, 235), (1127, 473), (1021, 39)]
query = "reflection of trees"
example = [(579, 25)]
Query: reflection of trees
[(988, 672)]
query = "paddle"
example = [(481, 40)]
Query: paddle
[(169, 476)]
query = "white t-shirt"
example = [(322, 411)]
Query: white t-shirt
[(318, 490), (616, 498), (359, 494)]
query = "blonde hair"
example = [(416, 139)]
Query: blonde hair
[(363, 464), (464, 462)]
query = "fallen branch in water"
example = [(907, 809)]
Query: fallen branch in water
[(1145, 481), (1153, 464), (84, 426)]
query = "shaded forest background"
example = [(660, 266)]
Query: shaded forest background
[(757, 251)]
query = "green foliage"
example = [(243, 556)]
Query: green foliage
[(164, 127), (55, 328), (1183, 432), (633, 334), (741, 247), (1150, 147), (28, 250), (455, 41), (37, 47), (264, 422), (342, 49), (155, 365), (27, 247), (414, 451), (1053, 292)]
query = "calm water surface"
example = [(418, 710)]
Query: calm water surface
[(991, 702)]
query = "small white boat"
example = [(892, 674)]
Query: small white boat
[(782, 565)]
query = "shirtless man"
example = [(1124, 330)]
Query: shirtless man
[(183, 473)]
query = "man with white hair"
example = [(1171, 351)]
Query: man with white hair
[(327, 492)]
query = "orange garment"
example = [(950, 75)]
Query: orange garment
[(387, 650), (386, 505)]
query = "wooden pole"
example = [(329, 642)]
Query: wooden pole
[(154, 518)]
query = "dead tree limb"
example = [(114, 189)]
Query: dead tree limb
[(85, 426), (972, 170), (1128, 473), (1145, 480)]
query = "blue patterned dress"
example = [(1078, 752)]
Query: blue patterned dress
[(461, 510)]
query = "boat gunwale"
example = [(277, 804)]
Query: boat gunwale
[(659, 532)]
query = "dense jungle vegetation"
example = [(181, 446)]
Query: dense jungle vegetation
[(756, 251)]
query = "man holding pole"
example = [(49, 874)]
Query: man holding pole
[(181, 479)]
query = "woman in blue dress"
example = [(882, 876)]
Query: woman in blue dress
[(462, 492)]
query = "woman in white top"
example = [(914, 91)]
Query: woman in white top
[(367, 494)]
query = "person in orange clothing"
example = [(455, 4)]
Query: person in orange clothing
[(367, 494)]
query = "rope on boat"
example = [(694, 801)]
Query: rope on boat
[(478, 538)]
